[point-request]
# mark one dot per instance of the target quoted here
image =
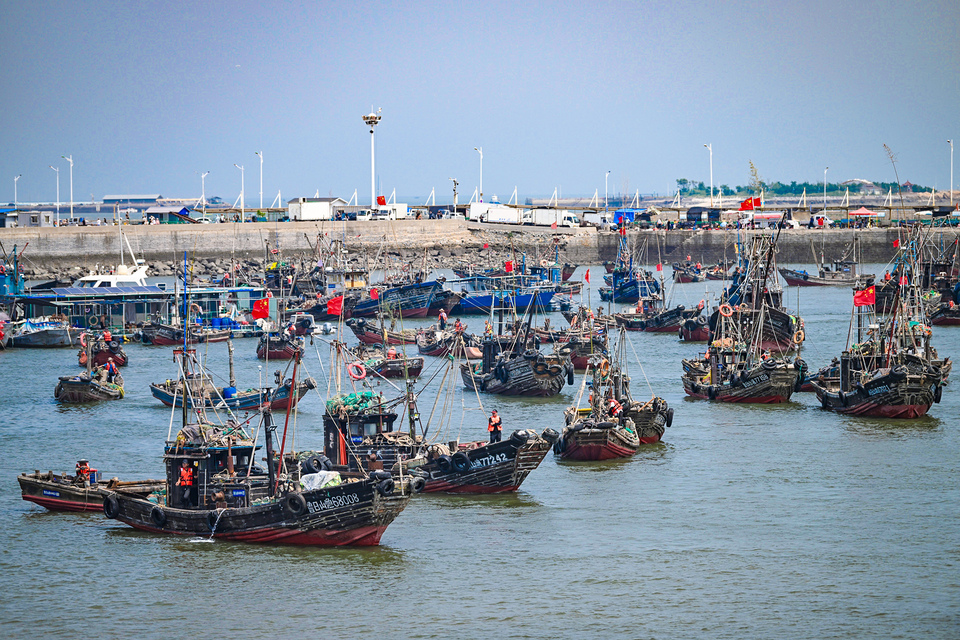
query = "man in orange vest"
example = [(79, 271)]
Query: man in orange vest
[(186, 482), (495, 427)]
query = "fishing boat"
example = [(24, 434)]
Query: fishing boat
[(42, 332), (843, 271), (614, 425), (945, 314), (483, 295), (370, 332), (86, 387), (279, 346), (199, 389), (79, 492), (242, 502), (650, 316), (581, 350), (696, 329), (160, 334), (434, 342), (406, 301), (103, 348), (626, 283), (387, 363)]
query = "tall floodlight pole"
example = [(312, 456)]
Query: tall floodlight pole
[(70, 160), (480, 151), (950, 142), (605, 181), (260, 153), (710, 149), (15, 181), (241, 190), (825, 190), (57, 169), (203, 190), (455, 183), (372, 120)]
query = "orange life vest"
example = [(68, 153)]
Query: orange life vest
[(494, 424), (186, 476)]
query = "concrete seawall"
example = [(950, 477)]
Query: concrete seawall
[(86, 246)]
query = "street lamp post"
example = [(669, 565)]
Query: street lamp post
[(57, 169), (241, 190), (203, 190), (950, 142), (605, 182), (70, 160), (825, 191), (455, 183), (710, 149), (372, 120), (480, 151), (260, 153), (15, 181)]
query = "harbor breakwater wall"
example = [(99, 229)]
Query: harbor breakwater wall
[(456, 239)]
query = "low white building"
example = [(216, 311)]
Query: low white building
[(313, 208)]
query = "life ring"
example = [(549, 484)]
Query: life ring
[(544, 262), (604, 368), (799, 336), (726, 310), (93, 322), (194, 305), (111, 507), (83, 358), (700, 305), (295, 504), (356, 371), (158, 516), (743, 308), (83, 342), (3, 270)]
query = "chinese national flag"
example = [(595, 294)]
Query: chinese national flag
[(553, 226), (746, 205), (486, 245), (896, 243), (261, 309), (374, 294), (508, 266), (757, 203), (587, 277), (335, 306), (903, 281), (381, 200), (659, 267), (865, 298)]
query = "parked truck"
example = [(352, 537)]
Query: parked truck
[(549, 217)]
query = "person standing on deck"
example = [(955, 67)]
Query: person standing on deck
[(442, 320), (495, 427), (186, 482)]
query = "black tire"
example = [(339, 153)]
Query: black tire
[(899, 372), (295, 504), (734, 379), (445, 464), (520, 436), (555, 370), (937, 394), (386, 487), (570, 373), (606, 424), (580, 426), (531, 354), (158, 516), (701, 320), (380, 475), (114, 346), (461, 463), (551, 435), (669, 418), (111, 506), (500, 373), (712, 392), (215, 519), (540, 367), (799, 382), (317, 463), (418, 484), (769, 364), (843, 398)]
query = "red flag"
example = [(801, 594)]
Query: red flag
[(623, 231), (659, 267), (903, 281), (688, 257), (896, 243), (261, 309), (757, 202), (486, 245), (866, 297), (335, 306), (508, 266), (553, 226), (381, 200), (747, 205), (374, 294), (587, 277)]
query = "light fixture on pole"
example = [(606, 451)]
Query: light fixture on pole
[(605, 180), (950, 142), (260, 153), (241, 190), (710, 149), (372, 120), (15, 181), (825, 190), (455, 183), (203, 191), (57, 169), (480, 151), (70, 160)]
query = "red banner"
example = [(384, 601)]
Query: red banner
[(374, 294), (261, 309), (896, 243), (659, 267), (508, 266), (865, 298), (587, 277), (335, 306), (381, 200)]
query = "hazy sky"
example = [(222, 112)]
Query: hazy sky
[(146, 95)]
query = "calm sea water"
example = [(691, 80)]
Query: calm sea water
[(748, 521)]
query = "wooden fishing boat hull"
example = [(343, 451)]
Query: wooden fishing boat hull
[(778, 333), (441, 343), (278, 349), (352, 513), (280, 398), (823, 279), (946, 315), (45, 339), (605, 441), (500, 467), (695, 329), (76, 389), (407, 301), (521, 376), (765, 384), (896, 394), (59, 492), (102, 353), (581, 351), (369, 333), (396, 367)]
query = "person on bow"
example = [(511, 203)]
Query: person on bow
[(442, 320), (185, 482), (495, 427)]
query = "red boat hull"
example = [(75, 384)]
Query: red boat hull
[(54, 504), (771, 399), (700, 334), (874, 410), (368, 536), (608, 451), (436, 486)]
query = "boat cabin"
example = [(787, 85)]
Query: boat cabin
[(349, 438)]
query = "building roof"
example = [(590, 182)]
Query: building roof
[(140, 198), (302, 200)]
